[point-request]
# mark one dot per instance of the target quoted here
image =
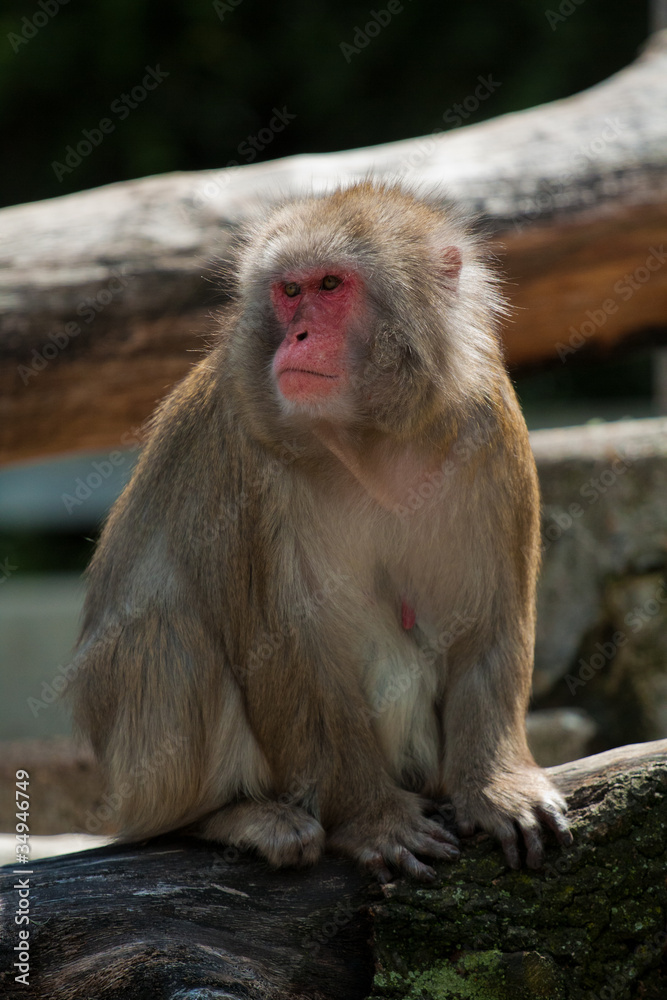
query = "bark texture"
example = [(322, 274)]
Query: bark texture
[(180, 920)]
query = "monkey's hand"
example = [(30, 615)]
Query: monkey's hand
[(386, 837), (513, 804)]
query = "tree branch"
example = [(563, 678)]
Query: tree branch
[(104, 305), (182, 919)]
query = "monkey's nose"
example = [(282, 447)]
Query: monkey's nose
[(302, 336)]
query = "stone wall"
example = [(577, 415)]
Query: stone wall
[(602, 609)]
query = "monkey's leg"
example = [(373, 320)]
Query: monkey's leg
[(492, 779), (283, 833), (167, 720), (312, 722)]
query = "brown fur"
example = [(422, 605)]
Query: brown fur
[(245, 598)]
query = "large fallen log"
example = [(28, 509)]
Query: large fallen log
[(181, 920), (103, 304)]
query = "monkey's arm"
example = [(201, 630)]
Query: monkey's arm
[(489, 772)]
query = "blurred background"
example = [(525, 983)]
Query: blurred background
[(230, 63), (226, 66)]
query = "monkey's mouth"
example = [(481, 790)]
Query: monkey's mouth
[(305, 385), (305, 371)]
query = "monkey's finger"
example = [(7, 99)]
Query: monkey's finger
[(441, 834), (406, 862), (507, 836), (533, 841), (554, 819), (433, 848), (374, 863)]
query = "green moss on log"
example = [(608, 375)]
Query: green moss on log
[(590, 926)]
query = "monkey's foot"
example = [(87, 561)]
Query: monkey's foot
[(286, 835), (387, 838), (516, 805)]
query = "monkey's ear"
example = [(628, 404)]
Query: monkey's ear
[(450, 264)]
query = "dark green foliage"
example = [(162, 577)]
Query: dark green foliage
[(229, 70)]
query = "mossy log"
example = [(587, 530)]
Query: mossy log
[(182, 920)]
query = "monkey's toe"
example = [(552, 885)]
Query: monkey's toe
[(402, 861), (292, 838), (394, 845), (284, 834)]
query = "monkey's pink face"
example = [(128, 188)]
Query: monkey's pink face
[(316, 311)]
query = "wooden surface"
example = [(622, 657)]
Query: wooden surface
[(183, 920), (574, 193)]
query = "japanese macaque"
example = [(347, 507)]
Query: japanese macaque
[(311, 613)]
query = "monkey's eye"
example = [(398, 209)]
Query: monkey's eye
[(292, 289), (329, 282)]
